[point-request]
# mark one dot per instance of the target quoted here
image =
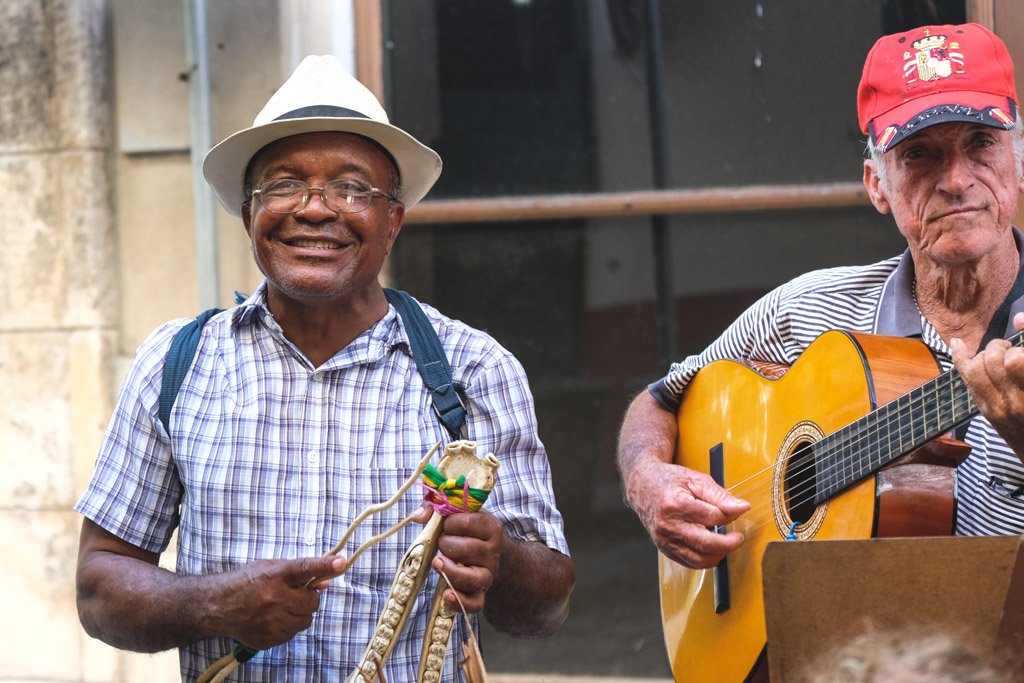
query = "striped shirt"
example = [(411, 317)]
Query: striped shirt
[(269, 457), (878, 299)]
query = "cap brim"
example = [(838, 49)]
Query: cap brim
[(896, 125), (224, 166)]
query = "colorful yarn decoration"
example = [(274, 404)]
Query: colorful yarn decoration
[(448, 496)]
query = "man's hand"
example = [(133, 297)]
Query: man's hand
[(265, 603), (995, 378), (470, 545), (677, 506)]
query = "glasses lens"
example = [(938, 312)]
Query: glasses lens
[(347, 196), (283, 196)]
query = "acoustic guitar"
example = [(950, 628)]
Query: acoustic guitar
[(846, 443)]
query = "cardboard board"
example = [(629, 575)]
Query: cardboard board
[(819, 594)]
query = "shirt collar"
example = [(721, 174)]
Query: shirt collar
[(898, 315), (382, 338), (254, 307)]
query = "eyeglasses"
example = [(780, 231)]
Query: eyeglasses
[(342, 195)]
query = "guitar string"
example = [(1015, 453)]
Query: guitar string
[(794, 495), (803, 458), (854, 439), (950, 383), (870, 435), (739, 487), (953, 383), (865, 431), (953, 395)]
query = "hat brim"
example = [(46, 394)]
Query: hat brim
[(899, 123), (225, 165)]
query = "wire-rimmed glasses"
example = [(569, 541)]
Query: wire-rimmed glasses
[(343, 195)]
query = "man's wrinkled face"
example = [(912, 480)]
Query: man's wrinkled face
[(317, 254), (952, 188)]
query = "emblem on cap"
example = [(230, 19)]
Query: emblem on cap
[(935, 58)]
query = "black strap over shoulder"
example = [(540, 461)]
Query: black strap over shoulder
[(1001, 320), (178, 361), (426, 348), (431, 361), (997, 329)]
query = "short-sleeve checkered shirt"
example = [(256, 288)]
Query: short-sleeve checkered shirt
[(269, 457), (878, 299)]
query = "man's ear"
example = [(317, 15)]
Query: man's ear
[(247, 217), (876, 192), (396, 219), (1020, 172)]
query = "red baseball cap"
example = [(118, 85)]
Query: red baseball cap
[(935, 74)]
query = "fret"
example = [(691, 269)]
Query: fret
[(918, 426), (835, 465), (901, 405), (954, 414), (878, 447)]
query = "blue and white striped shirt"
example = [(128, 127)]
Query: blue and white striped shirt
[(879, 299), (269, 457)]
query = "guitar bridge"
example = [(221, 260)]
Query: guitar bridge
[(720, 573)]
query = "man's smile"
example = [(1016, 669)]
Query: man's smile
[(312, 244)]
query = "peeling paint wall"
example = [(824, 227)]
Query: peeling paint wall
[(58, 326)]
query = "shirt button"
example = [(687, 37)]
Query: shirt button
[(318, 376), (310, 540), (313, 457)]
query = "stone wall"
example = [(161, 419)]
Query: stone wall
[(99, 248), (58, 304)]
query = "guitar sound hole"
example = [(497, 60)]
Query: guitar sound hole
[(799, 487)]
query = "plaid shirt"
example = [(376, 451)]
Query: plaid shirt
[(269, 457), (879, 299)]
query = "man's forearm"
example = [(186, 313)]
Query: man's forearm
[(134, 605), (648, 436), (530, 595)]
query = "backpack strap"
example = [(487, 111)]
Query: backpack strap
[(431, 361), (178, 361)]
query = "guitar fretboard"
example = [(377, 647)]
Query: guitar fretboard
[(861, 448)]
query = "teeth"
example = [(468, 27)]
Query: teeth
[(314, 244)]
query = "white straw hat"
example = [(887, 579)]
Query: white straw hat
[(319, 96)]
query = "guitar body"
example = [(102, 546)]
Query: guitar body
[(760, 421)]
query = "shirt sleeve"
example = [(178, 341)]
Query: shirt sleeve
[(502, 420), (756, 334), (134, 492)]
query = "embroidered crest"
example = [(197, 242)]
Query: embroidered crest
[(935, 58)]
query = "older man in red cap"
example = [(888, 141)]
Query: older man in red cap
[(305, 405), (939, 107)]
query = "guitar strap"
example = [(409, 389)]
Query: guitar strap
[(1001, 320), (997, 329)]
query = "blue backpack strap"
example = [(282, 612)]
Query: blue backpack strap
[(178, 361), (431, 361)]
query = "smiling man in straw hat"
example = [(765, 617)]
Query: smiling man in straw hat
[(304, 406)]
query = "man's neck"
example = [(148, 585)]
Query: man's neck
[(320, 329), (960, 301)]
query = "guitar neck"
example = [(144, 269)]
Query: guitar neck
[(863, 447)]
